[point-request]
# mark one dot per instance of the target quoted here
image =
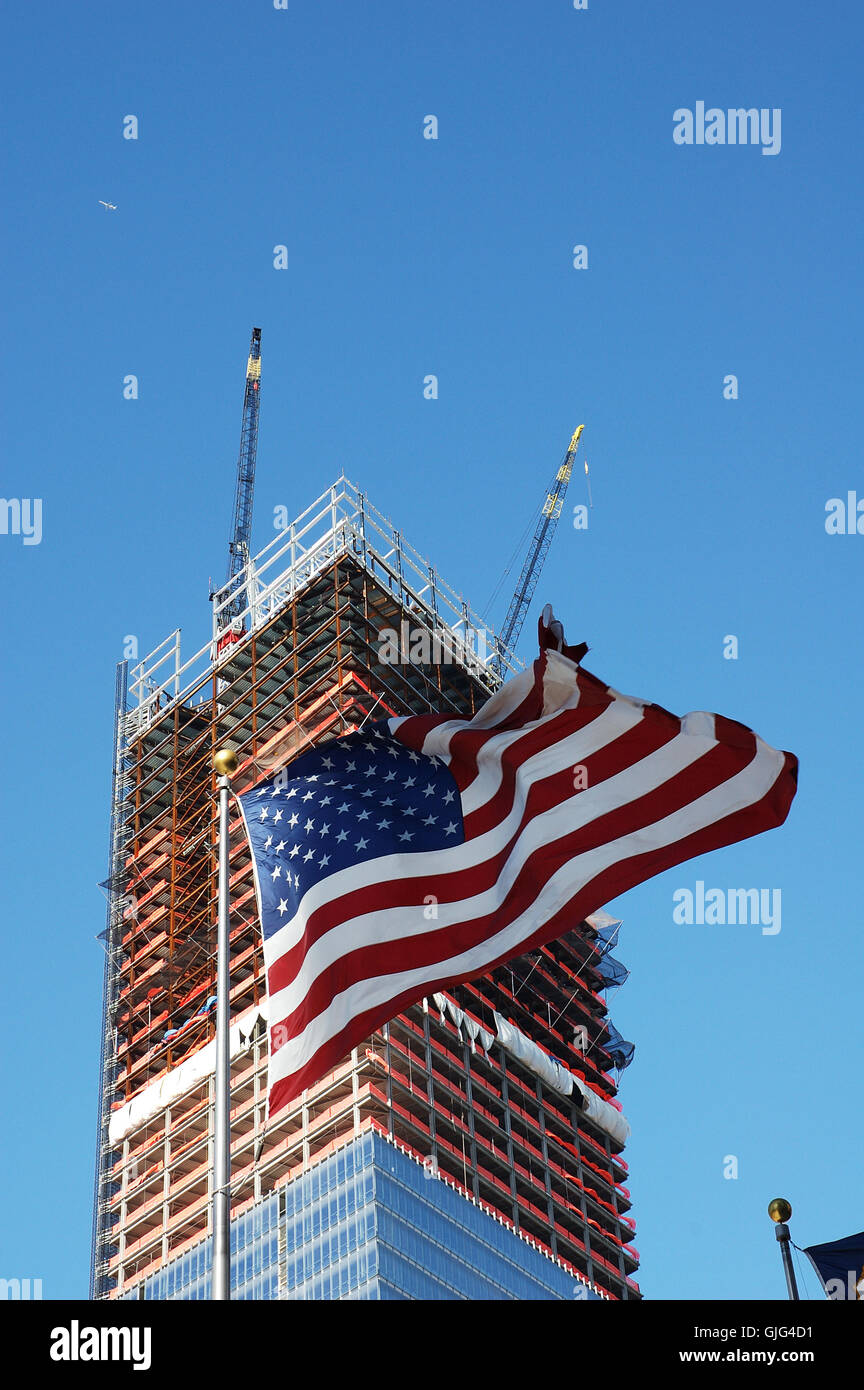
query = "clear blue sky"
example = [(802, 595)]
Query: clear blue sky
[(407, 257)]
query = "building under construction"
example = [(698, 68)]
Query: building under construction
[(439, 1159)]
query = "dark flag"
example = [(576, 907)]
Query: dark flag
[(840, 1266)]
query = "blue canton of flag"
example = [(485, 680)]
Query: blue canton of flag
[(340, 804)]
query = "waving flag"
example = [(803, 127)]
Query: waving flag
[(425, 850), (840, 1266)]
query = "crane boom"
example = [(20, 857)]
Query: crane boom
[(241, 528), (548, 520)]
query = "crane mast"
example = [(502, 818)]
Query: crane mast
[(548, 520), (241, 528)]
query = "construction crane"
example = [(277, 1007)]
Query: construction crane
[(545, 530), (241, 527)]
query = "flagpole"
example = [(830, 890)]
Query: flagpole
[(225, 762), (780, 1210)]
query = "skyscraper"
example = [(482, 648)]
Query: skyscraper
[(439, 1160)]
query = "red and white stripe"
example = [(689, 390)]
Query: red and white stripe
[(537, 857)]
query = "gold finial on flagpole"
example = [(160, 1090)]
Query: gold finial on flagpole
[(225, 762)]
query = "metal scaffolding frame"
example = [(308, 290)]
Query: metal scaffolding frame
[(110, 938), (305, 663), (341, 522)]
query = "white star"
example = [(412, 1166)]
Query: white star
[(325, 800), (343, 835), (264, 814), (325, 830), (410, 782), (297, 881), (391, 776), (268, 842), (343, 807), (309, 824), (430, 820), (350, 767), (429, 789), (369, 743), (362, 815), (276, 790), (368, 792), (370, 772), (409, 810), (280, 846), (325, 859), (310, 796), (407, 835), (277, 872), (415, 757), (283, 906), (313, 778), (451, 828), (292, 821), (278, 816), (392, 752), (388, 801), (327, 762), (295, 851), (292, 792), (310, 854), (449, 796), (263, 790), (383, 824), (361, 844)]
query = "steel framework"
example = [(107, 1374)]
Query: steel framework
[(309, 666)]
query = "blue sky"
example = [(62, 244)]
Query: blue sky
[(453, 257)]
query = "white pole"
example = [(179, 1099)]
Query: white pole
[(225, 761)]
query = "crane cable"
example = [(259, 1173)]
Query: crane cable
[(518, 549)]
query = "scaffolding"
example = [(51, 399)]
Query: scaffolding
[(111, 942), (299, 662)]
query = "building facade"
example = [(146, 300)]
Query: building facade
[(370, 1222), (463, 1166)]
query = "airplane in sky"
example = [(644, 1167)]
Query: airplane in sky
[(107, 206)]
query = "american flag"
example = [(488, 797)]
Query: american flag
[(423, 851)]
